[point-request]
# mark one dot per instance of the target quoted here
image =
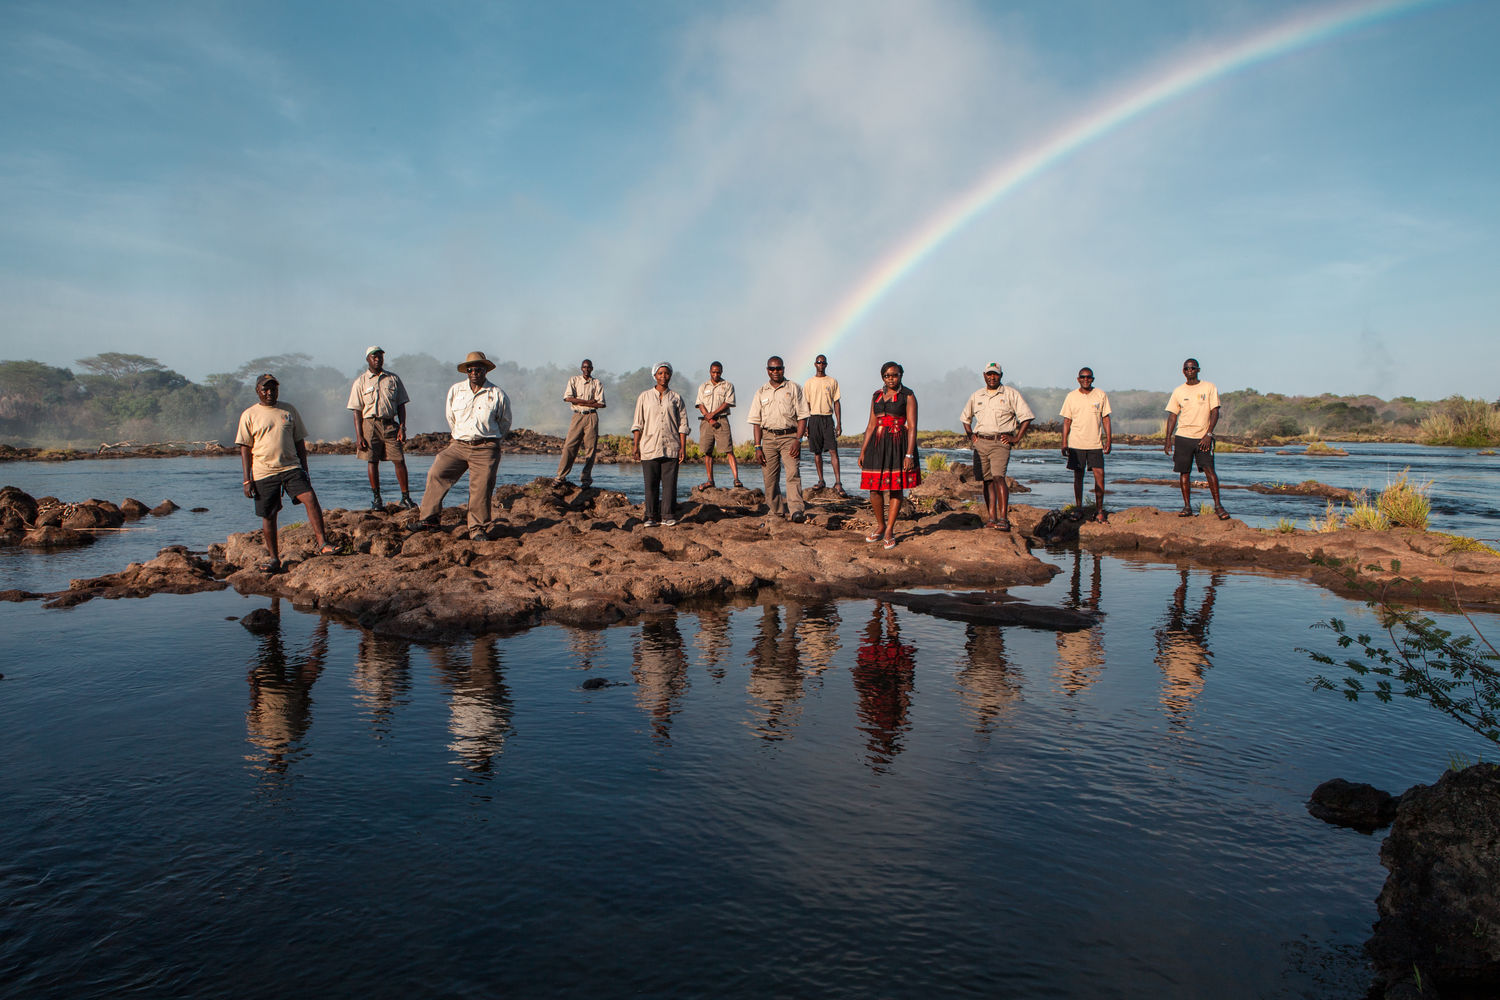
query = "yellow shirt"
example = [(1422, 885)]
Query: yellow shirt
[(1193, 404), (272, 432), (822, 391), (1087, 410)]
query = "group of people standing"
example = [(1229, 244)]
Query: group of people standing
[(995, 418)]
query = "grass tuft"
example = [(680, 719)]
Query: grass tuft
[(1404, 503), (937, 462)]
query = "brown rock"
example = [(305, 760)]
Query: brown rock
[(93, 514), (133, 509), (54, 537), (20, 503), (1356, 805), (163, 509)]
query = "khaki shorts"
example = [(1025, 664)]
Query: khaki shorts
[(714, 440), (991, 459), (380, 435)]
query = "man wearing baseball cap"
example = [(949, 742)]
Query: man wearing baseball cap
[(379, 400), (995, 418)]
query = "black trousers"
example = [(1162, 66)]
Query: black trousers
[(661, 488)]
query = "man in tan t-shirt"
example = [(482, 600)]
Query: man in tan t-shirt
[(1193, 413), (1086, 439), (273, 456)]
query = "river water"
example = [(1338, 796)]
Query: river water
[(768, 799)]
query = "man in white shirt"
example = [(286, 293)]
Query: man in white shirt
[(1086, 439), (379, 400), (658, 432), (478, 415), (778, 416), (995, 419), (1192, 415), (585, 394)]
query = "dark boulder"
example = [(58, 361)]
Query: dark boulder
[(53, 537), (1353, 804), (133, 508), (20, 502), (1440, 907), (163, 509), (261, 621), (93, 514)]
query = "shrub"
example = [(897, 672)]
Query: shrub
[(937, 462), (1285, 526), (1404, 504), (1462, 423), (1323, 448), (1365, 516)]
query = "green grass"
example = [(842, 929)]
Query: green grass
[(1404, 503), (1285, 526), (1365, 516), (937, 462), (1330, 521), (1462, 423), (1323, 448), (1463, 543)]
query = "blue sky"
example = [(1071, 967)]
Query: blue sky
[(210, 182)]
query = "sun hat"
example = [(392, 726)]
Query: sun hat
[(476, 357)]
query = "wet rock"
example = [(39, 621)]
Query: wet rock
[(261, 621), (164, 508), (175, 570), (51, 536), (1440, 906), (50, 515), (22, 504), (199, 510), (598, 683), (133, 509), (1356, 805), (92, 514)]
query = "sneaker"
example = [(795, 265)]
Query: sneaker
[(669, 522), (377, 503), (407, 503), (648, 523), (798, 517)]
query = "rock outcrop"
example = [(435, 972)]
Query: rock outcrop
[(1356, 805)]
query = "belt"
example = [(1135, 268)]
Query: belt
[(477, 440), (383, 420), (779, 430), (990, 437)]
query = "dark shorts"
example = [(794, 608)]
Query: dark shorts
[(820, 436), (267, 491), (1085, 458), (381, 438), (1185, 452)]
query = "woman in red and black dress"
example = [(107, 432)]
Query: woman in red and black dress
[(888, 457)]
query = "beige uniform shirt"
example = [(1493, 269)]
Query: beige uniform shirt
[(584, 388), (998, 412), (712, 395), (377, 396), (660, 417), (822, 391), (1087, 410), (1193, 404), (272, 432), (779, 408), (474, 416)]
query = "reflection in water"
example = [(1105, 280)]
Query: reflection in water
[(660, 673), (712, 639), (280, 711), (479, 703), (1182, 649), (775, 684), (884, 677), (585, 644), (819, 635), (988, 686), (1080, 654), (382, 678)]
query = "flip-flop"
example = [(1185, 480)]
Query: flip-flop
[(1187, 512), (874, 538), (270, 566), (738, 484), (890, 543), (1222, 513), (328, 549), (1002, 525)]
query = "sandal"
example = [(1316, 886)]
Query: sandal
[(874, 538), (328, 549), (1223, 514), (838, 490), (821, 485), (270, 566), (707, 486), (1075, 514), (890, 543), (738, 485), (1101, 517), (1186, 511)]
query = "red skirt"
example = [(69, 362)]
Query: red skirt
[(886, 456)]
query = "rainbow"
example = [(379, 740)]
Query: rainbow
[(1134, 102)]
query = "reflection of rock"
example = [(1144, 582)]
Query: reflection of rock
[(1440, 907), (1353, 804)]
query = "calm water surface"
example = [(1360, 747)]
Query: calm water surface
[(771, 799)]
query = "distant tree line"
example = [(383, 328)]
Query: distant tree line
[(130, 397)]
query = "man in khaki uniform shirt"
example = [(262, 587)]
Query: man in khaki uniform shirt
[(715, 400), (1086, 439), (478, 413), (778, 416), (379, 400), (995, 419), (585, 394)]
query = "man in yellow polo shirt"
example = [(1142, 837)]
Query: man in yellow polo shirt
[(273, 455)]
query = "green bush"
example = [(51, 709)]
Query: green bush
[(1462, 423), (1405, 505)]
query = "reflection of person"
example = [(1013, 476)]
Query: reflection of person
[(585, 394), (1080, 654), (826, 421), (478, 413), (660, 672), (778, 417), (775, 682), (712, 638), (1192, 415), (659, 442), (988, 685), (479, 704), (819, 634), (715, 400), (995, 419), (1182, 647), (273, 457), (884, 676), (379, 400), (1086, 439), (280, 712), (382, 671), (888, 456)]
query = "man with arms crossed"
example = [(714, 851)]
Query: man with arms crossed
[(273, 456), (995, 419), (1086, 439), (1193, 413), (825, 421), (715, 400), (379, 400), (478, 415), (778, 416), (585, 394)]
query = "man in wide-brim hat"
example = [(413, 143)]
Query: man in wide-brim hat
[(478, 416)]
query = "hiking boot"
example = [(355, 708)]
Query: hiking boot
[(376, 503), (407, 503)]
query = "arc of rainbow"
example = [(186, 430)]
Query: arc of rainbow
[(1297, 33)]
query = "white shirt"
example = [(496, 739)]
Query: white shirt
[(660, 417), (585, 388), (475, 416)]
